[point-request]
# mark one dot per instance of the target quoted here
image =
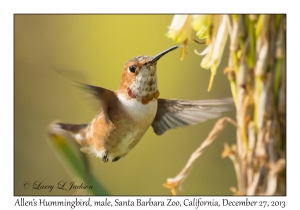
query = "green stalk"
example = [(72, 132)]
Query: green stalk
[(251, 54), (258, 87), (233, 90), (277, 21), (235, 63), (259, 25), (277, 78), (234, 17)]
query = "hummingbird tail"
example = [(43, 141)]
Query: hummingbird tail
[(77, 131)]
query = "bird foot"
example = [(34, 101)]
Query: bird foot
[(104, 158)]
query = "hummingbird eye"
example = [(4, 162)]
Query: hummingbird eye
[(132, 69)]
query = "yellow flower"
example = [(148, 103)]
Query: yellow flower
[(202, 24), (215, 50), (213, 28), (180, 30)]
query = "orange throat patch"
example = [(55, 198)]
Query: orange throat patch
[(145, 99)]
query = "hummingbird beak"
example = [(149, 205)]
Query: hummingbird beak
[(159, 55)]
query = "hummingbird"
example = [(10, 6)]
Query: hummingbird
[(127, 113)]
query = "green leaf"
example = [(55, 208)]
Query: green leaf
[(75, 162)]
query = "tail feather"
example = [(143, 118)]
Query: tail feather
[(72, 127), (77, 131)]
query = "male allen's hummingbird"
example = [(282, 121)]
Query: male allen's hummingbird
[(127, 113)]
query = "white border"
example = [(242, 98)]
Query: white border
[(9, 8)]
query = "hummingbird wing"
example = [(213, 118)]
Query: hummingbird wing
[(102, 95), (179, 113)]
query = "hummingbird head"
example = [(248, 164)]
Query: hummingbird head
[(139, 78)]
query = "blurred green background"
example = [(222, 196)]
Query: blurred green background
[(98, 46)]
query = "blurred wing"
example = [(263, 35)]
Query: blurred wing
[(179, 113), (102, 95)]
